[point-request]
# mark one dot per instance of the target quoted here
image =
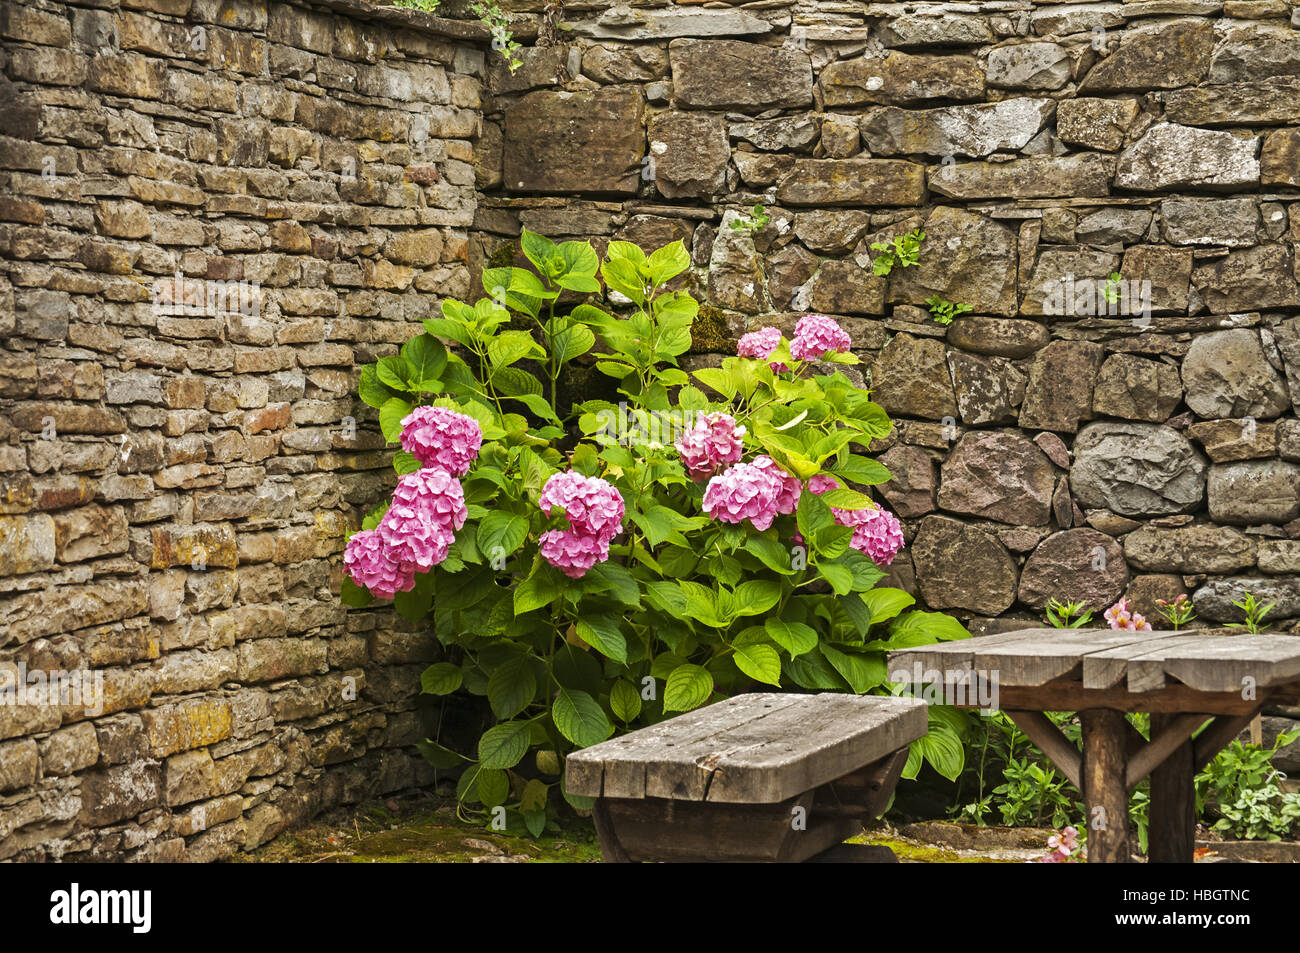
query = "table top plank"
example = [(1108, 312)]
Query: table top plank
[(1225, 664), (762, 748), (1026, 657), (1049, 655), (1144, 659), (1209, 661)]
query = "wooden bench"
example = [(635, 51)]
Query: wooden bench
[(760, 777)]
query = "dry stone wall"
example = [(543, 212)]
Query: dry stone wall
[(1049, 443), (211, 213)]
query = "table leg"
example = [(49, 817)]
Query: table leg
[(1172, 831), (1104, 792)]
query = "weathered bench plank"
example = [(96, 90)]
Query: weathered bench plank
[(757, 748)]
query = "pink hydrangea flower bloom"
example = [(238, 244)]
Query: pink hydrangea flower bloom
[(822, 483), (439, 437), (712, 443), (571, 552), (876, 532), (788, 487), (428, 506), (1122, 617), (743, 492), (816, 335), (369, 563), (594, 506), (760, 344)]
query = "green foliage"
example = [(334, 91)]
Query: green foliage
[(1015, 780), (903, 251), (687, 610), (944, 311), (499, 24), (753, 222), (1240, 787), (1070, 615), (1110, 290), (1254, 613), (428, 6), (1177, 613)]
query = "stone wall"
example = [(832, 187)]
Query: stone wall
[(1043, 448), (181, 463), (178, 481)]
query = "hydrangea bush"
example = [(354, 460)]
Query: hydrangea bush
[(596, 567)]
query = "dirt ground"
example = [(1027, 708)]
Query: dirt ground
[(425, 828)]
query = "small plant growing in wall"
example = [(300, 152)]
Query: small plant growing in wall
[(1110, 290), (1254, 613), (903, 251), (427, 6), (944, 311), (502, 39), (1177, 613), (1068, 615), (753, 222)]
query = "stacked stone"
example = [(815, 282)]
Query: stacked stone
[(1040, 451), (178, 486)]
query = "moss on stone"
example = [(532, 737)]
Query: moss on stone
[(710, 334), (503, 256), (423, 831)]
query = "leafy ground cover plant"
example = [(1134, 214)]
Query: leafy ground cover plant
[(1241, 787), (598, 566)]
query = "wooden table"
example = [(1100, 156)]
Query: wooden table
[(1184, 679), (757, 777)]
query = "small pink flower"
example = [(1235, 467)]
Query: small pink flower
[(428, 507), (370, 563), (1062, 847), (1122, 617), (438, 437), (816, 335), (594, 506), (712, 443), (571, 552), (760, 344)]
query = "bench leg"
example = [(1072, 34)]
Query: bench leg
[(611, 851), (1105, 792), (1172, 831)]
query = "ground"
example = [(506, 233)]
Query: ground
[(425, 828)]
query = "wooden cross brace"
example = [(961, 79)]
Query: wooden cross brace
[(1143, 757)]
